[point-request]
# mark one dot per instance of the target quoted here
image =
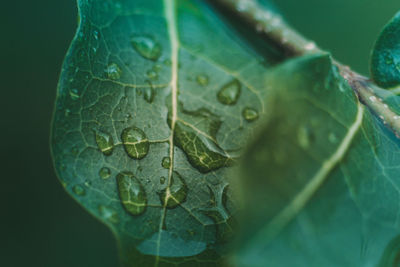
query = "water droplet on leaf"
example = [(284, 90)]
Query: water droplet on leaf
[(304, 137), (148, 94), (132, 194), (166, 162), (74, 94), (135, 142), (229, 93), (104, 142), (79, 190), (108, 214), (162, 180), (250, 114), (113, 72), (96, 34), (176, 193), (105, 173), (202, 80), (152, 75), (333, 138), (147, 47)]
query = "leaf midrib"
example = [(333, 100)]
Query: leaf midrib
[(169, 11)]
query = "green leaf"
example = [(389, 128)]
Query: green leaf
[(155, 100), (321, 179), (385, 60)]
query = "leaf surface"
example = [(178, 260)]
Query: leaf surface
[(155, 101)]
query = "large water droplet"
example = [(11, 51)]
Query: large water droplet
[(79, 190), (105, 173), (135, 142), (203, 152), (108, 214), (132, 194), (176, 193), (166, 162), (104, 142), (229, 93), (202, 79), (147, 47), (113, 72), (250, 114)]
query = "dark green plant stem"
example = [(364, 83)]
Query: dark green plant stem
[(271, 26)]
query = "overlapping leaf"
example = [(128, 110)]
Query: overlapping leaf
[(385, 60), (321, 180)]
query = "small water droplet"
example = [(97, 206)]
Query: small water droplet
[(113, 71), (135, 142), (304, 137), (250, 114), (146, 46), (105, 173), (202, 80), (96, 35), (79, 190), (74, 94), (132, 194), (332, 138), (162, 180), (128, 117), (104, 142), (166, 162), (176, 193), (152, 75), (108, 214), (148, 94), (229, 93), (67, 112)]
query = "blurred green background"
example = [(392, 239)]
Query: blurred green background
[(40, 224)]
